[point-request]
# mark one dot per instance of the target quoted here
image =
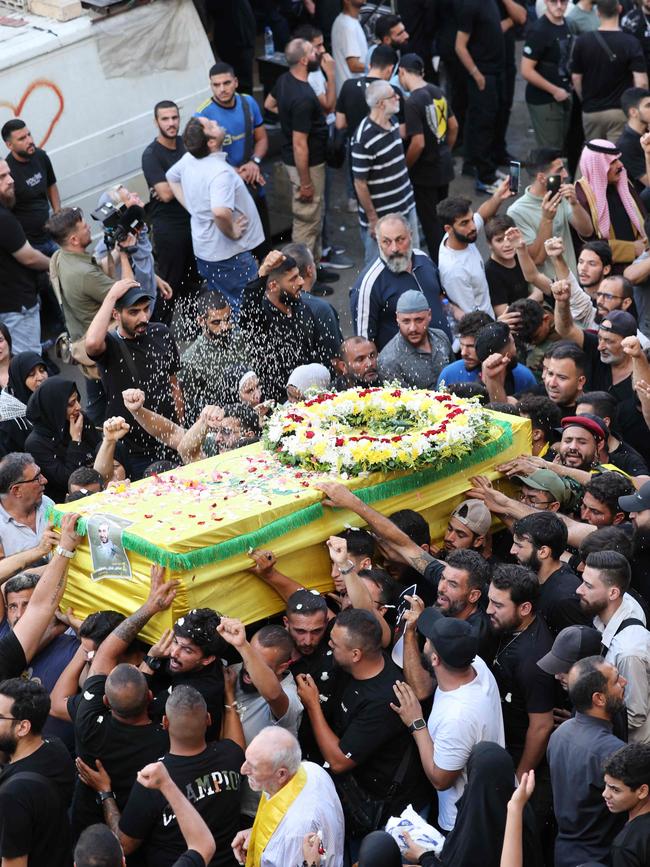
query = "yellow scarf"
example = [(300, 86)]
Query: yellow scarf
[(270, 813)]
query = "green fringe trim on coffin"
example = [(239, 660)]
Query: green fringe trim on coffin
[(241, 544)]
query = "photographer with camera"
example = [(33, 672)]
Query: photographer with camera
[(125, 231)]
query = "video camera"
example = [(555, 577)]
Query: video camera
[(119, 222)]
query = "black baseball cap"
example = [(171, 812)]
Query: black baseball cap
[(132, 296), (455, 641)]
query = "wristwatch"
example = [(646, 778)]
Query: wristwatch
[(256, 160), (63, 552), (154, 662), (104, 796), (417, 724)]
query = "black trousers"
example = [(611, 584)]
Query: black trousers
[(485, 109), (426, 200), (176, 264)]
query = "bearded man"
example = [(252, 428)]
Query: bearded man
[(398, 268), (606, 193)]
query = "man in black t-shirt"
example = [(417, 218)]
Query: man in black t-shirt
[(139, 354), (604, 63), (361, 734), (36, 784), (431, 130), (20, 263), (190, 656), (627, 790), (481, 50), (35, 184), (170, 222), (539, 540), (351, 105), (304, 142), (208, 774), (527, 693), (545, 67)]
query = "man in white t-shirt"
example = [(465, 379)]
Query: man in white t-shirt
[(466, 708), (349, 43), (462, 272)]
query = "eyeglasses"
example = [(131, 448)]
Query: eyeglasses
[(13, 718), (39, 475), (536, 504), (608, 296)]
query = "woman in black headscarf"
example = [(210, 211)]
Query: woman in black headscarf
[(27, 371), (61, 439), (477, 837)]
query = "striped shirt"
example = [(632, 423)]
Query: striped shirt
[(378, 159)]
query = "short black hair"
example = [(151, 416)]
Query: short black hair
[(360, 542), (607, 8), (543, 528), (12, 468), (542, 412), (541, 159), (630, 764), (565, 349), (382, 57), (601, 249), (613, 538), (502, 406), (522, 583), (250, 421), (200, 626), (164, 103), (85, 476), (98, 847), (283, 267), (305, 601), (211, 300), (127, 691), (306, 31), (608, 487), (477, 567), (221, 68), (588, 678), (363, 628), (493, 337), (532, 316), (413, 524), (451, 208), (631, 98), (613, 567), (498, 225), (30, 701), (388, 587), (99, 625), (11, 126), (195, 139), (384, 24), (471, 323), (603, 404), (277, 637)]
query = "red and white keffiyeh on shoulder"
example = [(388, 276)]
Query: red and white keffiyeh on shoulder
[(597, 156)]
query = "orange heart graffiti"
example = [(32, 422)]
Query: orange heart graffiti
[(17, 109)]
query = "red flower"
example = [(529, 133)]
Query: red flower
[(339, 441), (310, 434), (396, 393)]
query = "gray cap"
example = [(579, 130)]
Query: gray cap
[(412, 301), (571, 644), (639, 501)]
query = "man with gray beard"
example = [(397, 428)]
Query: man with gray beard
[(398, 268)]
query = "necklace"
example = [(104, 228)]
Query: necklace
[(502, 650)]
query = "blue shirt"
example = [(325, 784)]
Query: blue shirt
[(457, 372), (233, 121)]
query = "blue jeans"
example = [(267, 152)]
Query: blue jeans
[(229, 276), (371, 250), (25, 329)]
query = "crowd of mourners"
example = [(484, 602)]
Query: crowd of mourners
[(495, 680)]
